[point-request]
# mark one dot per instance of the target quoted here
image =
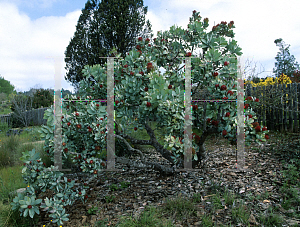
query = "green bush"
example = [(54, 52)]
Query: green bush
[(43, 98), (16, 122), (3, 127)]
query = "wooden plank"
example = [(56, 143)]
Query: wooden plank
[(298, 89), (281, 112), (290, 108), (284, 111), (271, 108), (295, 107), (277, 110)]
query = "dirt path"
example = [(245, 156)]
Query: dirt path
[(41, 141)]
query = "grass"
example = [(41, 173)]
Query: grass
[(176, 208)]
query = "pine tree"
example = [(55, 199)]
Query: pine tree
[(102, 27), (285, 61)]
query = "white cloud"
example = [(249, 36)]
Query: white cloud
[(26, 44), (258, 23), (25, 48)]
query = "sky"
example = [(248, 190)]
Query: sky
[(33, 31)]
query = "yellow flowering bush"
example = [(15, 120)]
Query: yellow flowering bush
[(277, 95)]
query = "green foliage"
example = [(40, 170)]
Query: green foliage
[(102, 26), (3, 96), (5, 86), (109, 199), (92, 211), (43, 98)]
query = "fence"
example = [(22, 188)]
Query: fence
[(37, 119), (284, 115)]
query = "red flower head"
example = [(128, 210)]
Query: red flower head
[(230, 92), (267, 137), (256, 100), (224, 133), (170, 86), (226, 63), (208, 120), (131, 73), (142, 73), (215, 123), (250, 115), (254, 124), (147, 40), (197, 138), (138, 47), (223, 87), (148, 104), (140, 39), (125, 66), (225, 98), (227, 114), (264, 128), (146, 89), (246, 106), (195, 107), (149, 45), (249, 98), (257, 128), (194, 11), (216, 74), (217, 85), (188, 54)]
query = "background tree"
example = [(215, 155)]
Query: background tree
[(43, 98), (3, 96), (102, 26), (6, 87), (286, 63), (65, 92), (20, 104)]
